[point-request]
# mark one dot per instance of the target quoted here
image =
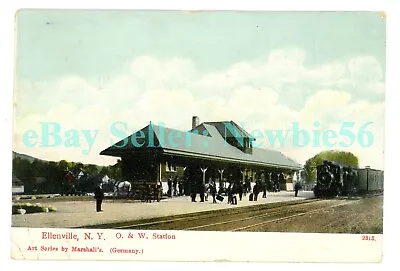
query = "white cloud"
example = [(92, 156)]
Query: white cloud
[(325, 101), (287, 57), (156, 72), (266, 94), (365, 68), (327, 74)]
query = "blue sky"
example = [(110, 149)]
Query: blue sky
[(88, 69), (90, 43)]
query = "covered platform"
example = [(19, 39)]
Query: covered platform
[(216, 153)]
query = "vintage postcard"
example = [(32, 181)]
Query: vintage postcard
[(240, 136)]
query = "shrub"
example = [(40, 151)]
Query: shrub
[(20, 211), (31, 208)]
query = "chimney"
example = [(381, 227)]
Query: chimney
[(195, 121)]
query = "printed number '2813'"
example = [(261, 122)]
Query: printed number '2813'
[(368, 237)]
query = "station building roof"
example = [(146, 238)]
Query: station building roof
[(206, 141)]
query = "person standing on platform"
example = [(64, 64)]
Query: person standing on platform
[(275, 181), (297, 187), (247, 186), (148, 193), (256, 190), (202, 192), (240, 190), (99, 196), (169, 192), (264, 186), (213, 191), (193, 191), (175, 185), (230, 194), (180, 188)]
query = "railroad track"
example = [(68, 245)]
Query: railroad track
[(266, 218), (245, 218), (280, 216), (196, 218), (288, 217)]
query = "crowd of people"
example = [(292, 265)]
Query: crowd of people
[(235, 191)]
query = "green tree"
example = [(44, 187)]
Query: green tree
[(339, 157), (91, 169), (77, 166), (105, 171), (63, 165), (23, 170), (54, 177), (116, 170)]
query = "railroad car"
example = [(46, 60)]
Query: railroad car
[(334, 179)]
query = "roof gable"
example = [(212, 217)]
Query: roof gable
[(140, 140), (201, 130), (230, 129)]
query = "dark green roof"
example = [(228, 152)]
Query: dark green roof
[(213, 147)]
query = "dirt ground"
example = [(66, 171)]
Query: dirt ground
[(360, 216), (356, 216), (80, 211)]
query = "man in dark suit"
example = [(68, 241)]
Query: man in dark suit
[(169, 192), (99, 196), (297, 187), (213, 191)]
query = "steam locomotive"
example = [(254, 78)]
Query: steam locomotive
[(334, 180)]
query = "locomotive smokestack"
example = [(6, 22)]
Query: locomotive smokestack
[(195, 121)]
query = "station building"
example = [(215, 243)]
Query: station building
[(220, 152)]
